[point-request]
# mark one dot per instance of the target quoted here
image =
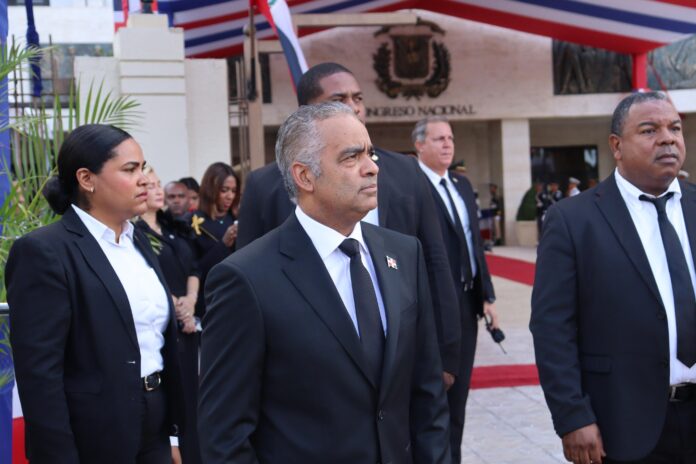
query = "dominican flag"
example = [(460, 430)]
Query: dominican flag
[(278, 15)]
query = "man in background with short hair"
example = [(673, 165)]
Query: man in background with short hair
[(458, 221), (176, 199)]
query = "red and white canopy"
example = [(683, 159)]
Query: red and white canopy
[(213, 28)]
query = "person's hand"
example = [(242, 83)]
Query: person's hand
[(187, 304), (584, 445), (184, 308), (448, 379), (490, 311), (176, 455), (189, 326), (178, 310), (230, 235)]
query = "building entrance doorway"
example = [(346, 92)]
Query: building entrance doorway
[(557, 164)]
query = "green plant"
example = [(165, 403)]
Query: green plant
[(6, 373), (527, 210), (36, 140)]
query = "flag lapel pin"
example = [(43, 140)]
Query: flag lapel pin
[(391, 263)]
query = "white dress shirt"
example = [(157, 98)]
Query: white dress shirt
[(460, 206), (372, 217), (326, 241), (644, 217), (149, 303)]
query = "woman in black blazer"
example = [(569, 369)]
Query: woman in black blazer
[(93, 329)]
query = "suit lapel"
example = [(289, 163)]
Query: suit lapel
[(96, 259), (391, 288), (615, 212), (308, 274), (469, 202), (688, 204), (443, 208)]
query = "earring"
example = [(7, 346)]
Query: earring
[(91, 190)]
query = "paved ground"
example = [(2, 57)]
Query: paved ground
[(509, 425)]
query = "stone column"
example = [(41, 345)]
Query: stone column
[(516, 171), (184, 124), (151, 69)]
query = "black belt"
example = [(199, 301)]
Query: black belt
[(152, 382), (682, 392)]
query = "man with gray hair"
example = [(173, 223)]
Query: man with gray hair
[(458, 219), (404, 205), (319, 342)]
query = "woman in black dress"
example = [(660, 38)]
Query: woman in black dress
[(214, 224), (169, 239)]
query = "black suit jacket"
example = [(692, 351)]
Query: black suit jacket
[(405, 205), (76, 354), (483, 286), (283, 375), (599, 326)]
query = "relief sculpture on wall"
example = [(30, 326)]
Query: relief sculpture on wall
[(411, 62), (673, 66), (581, 69)]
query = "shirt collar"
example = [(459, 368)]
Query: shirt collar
[(433, 177), (325, 239), (99, 230), (631, 193)]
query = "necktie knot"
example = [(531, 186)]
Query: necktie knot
[(350, 247), (660, 202), (443, 182)]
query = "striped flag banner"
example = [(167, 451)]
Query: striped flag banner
[(278, 15), (214, 28), (626, 26)]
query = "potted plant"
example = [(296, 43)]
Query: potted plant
[(526, 224)]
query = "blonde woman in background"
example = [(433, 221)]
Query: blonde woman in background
[(169, 239)]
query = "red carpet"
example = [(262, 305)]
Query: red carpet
[(510, 268), (514, 375)]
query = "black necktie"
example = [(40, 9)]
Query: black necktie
[(683, 290), (366, 309), (467, 274)]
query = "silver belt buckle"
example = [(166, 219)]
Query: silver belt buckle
[(673, 391), (156, 383)]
